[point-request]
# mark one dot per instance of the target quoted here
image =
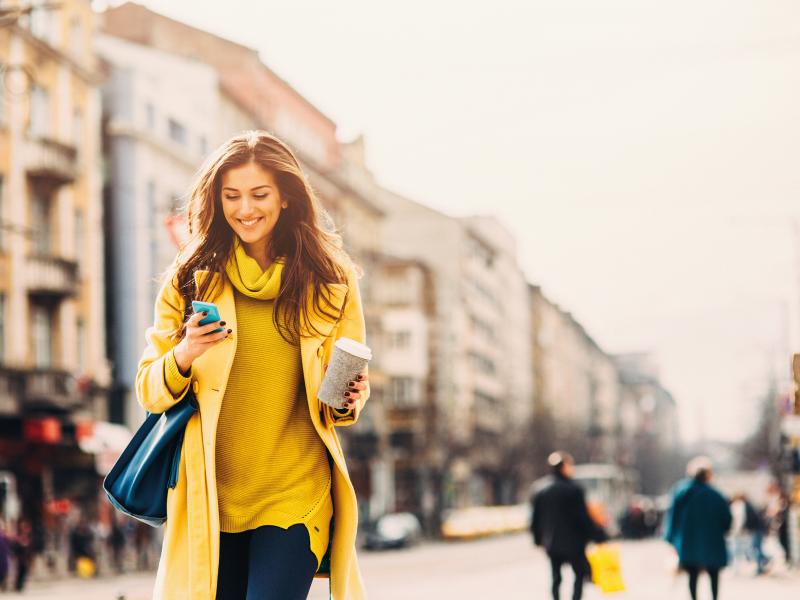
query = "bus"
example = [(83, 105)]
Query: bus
[(609, 490)]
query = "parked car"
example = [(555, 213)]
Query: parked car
[(393, 530)]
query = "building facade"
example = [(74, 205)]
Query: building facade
[(479, 394), (54, 377)]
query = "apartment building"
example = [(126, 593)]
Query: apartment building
[(54, 377)]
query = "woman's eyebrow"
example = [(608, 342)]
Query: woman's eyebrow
[(258, 187)]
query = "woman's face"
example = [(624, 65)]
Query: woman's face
[(251, 203)]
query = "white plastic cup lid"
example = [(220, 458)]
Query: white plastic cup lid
[(353, 347)]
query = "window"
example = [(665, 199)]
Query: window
[(482, 363), (2, 327), (177, 132), (42, 337), (77, 130), (41, 22), (79, 236), (150, 115), (40, 111), (152, 237), (401, 391), (76, 38), (40, 222), (2, 216), (484, 399), (399, 340), (81, 333)]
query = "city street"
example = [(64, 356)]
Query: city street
[(507, 567)]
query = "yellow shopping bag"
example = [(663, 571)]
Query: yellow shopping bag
[(85, 567), (606, 568)]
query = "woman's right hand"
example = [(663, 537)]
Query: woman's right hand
[(197, 340)]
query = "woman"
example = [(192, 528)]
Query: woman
[(698, 519), (262, 479)]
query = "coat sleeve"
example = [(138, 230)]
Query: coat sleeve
[(670, 532), (591, 530), (536, 520), (157, 365), (351, 325)]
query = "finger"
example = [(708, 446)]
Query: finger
[(210, 338), (349, 404), (324, 368), (356, 386), (352, 396), (195, 318), (206, 329), (363, 377)]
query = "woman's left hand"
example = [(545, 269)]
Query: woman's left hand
[(354, 390)]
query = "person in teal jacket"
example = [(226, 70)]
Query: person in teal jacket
[(698, 519)]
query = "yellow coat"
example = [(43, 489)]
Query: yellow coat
[(190, 553)]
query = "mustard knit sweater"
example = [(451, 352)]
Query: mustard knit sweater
[(272, 467)]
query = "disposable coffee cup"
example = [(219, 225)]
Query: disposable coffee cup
[(348, 360)]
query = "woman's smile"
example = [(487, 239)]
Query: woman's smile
[(249, 222)]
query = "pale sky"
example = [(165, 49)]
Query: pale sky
[(645, 154)]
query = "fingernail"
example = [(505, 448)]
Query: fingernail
[(205, 313), (230, 330), (360, 377), (222, 322), (352, 383), (347, 394)]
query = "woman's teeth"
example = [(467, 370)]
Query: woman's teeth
[(249, 222)]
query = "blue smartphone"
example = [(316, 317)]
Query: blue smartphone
[(213, 313)]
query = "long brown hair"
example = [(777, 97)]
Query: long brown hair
[(313, 253)]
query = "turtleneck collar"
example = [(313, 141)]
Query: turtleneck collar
[(246, 275)]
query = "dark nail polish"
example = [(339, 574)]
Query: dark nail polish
[(230, 330), (205, 313), (222, 322), (347, 394)]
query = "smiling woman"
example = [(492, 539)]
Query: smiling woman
[(262, 468), (252, 204)]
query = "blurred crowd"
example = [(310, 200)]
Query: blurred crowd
[(89, 547)]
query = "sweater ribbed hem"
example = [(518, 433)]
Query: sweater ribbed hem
[(277, 518), (175, 380)]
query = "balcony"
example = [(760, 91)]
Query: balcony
[(51, 276), (47, 158), (50, 388)]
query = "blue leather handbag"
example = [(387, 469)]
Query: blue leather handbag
[(138, 483)]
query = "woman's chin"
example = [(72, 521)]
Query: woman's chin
[(251, 237)]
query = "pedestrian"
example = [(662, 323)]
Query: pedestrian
[(143, 542), (117, 542), (562, 526), (22, 549), (747, 532), (778, 516), (262, 473), (737, 534), (5, 555), (697, 521), (81, 543)]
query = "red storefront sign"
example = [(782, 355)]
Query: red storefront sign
[(46, 430), (84, 430)]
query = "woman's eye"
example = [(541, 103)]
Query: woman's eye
[(231, 197), (260, 196)]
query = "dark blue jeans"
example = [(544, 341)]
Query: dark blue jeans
[(268, 563)]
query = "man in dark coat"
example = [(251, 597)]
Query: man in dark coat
[(697, 521), (562, 526)]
